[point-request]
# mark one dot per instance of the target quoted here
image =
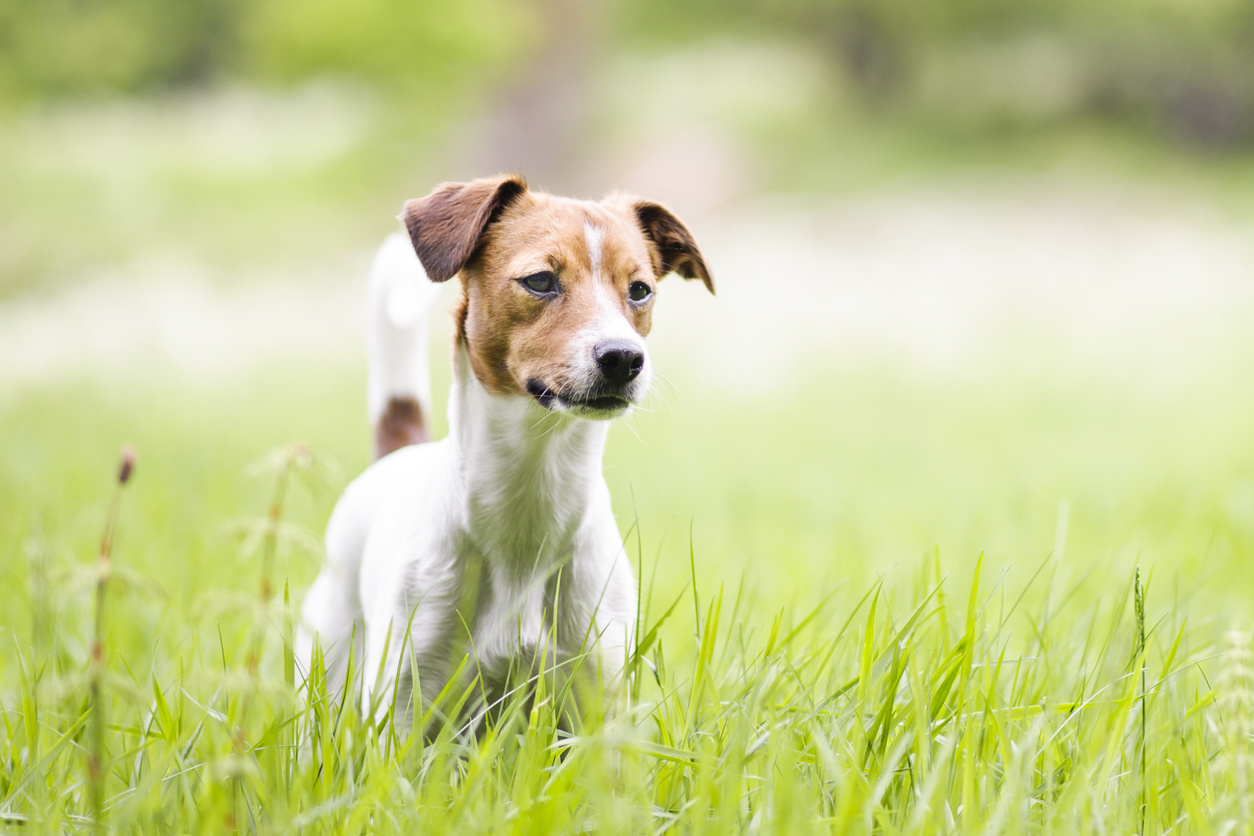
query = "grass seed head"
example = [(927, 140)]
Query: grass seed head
[(127, 464)]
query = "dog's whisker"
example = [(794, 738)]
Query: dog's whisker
[(664, 379), (632, 430), (654, 395), (662, 395)]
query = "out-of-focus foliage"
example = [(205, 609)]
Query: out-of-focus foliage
[(230, 130), (106, 46), (1182, 67)]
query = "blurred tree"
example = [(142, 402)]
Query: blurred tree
[(537, 121), (58, 47), (1184, 67), (71, 46), (405, 44)]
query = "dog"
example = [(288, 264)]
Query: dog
[(495, 549)]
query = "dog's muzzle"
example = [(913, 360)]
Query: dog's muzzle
[(611, 392)]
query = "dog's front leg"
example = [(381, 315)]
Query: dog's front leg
[(597, 606), (413, 630)]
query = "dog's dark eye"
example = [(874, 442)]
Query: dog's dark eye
[(541, 283), (639, 291)]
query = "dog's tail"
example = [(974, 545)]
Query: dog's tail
[(399, 390)]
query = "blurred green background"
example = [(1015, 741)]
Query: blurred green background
[(984, 268), (234, 134)]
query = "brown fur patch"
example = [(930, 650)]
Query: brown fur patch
[(446, 225), (676, 249), (401, 424)]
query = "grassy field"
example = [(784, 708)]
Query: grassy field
[(916, 609), (1007, 595)]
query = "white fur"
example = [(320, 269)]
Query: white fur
[(400, 300), (514, 495), (594, 236), (609, 324)]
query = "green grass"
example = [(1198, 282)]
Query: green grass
[(902, 605)]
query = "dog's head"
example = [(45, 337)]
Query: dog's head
[(558, 292)]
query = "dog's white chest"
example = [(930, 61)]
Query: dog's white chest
[(512, 619)]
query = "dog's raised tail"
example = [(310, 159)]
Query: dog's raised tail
[(399, 389)]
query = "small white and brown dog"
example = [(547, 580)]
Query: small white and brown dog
[(497, 545)]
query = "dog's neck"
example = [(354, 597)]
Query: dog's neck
[(527, 474)]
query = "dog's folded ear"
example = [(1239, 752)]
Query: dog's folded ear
[(446, 225), (676, 249)]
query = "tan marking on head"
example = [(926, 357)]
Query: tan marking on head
[(515, 337), (496, 231)]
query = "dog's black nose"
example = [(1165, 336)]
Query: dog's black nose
[(619, 361)]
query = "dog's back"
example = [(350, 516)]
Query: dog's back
[(399, 403)]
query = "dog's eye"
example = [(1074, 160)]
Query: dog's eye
[(541, 283), (639, 291)]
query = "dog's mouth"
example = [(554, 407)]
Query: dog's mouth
[(601, 403), (590, 404)]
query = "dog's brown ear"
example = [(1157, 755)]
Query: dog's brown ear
[(676, 248), (446, 225)]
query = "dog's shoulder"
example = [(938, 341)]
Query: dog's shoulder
[(403, 482)]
